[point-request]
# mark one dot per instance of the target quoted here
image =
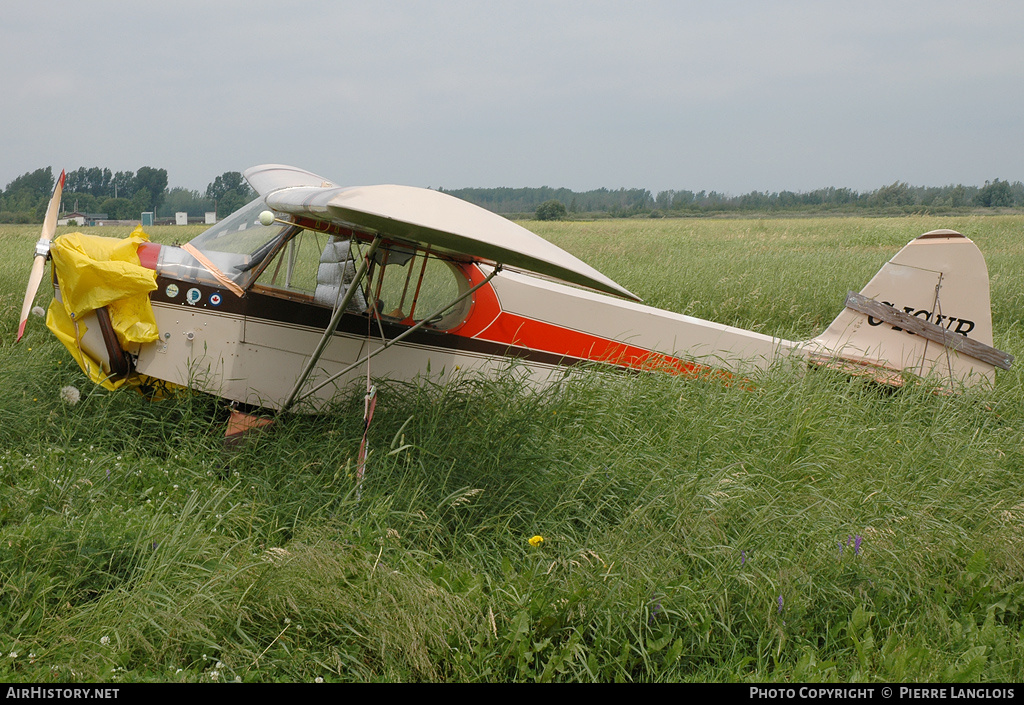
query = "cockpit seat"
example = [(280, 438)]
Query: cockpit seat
[(336, 271)]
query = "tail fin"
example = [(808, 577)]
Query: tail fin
[(926, 312)]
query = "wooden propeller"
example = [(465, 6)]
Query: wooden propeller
[(42, 251)]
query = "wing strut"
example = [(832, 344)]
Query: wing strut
[(397, 338), (335, 319)]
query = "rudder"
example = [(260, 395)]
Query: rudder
[(927, 311)]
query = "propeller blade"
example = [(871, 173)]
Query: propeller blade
[(42, 250)]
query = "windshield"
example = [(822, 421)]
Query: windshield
[(235, 246)]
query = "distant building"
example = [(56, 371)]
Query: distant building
[(129, 223), (81, 219)]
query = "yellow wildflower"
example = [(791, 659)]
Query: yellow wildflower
[(536, 541)]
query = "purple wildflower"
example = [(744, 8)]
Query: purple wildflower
[(743, 558), (655, 609), (780, 604), (856, 545)]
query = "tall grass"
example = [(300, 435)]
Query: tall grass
[(807, 526)]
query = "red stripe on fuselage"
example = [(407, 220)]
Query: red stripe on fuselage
[(489, 322), (520, 331)]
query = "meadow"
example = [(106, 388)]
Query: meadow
[(807, 527)]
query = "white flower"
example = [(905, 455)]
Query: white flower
[(13, 654), (214, 675), (70, 395), (318, 680), (104, 640)]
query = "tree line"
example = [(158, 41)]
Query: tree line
[(122, 195), (510, 201), (125, 195), (546, 203), (896, 197)]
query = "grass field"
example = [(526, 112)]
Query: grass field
[(811, 528)]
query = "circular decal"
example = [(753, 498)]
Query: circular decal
[(193, 295), (171, 291), (215, 299)]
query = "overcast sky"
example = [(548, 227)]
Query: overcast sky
[(726, 96)]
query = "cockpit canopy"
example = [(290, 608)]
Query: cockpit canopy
[(315, 264), (235, 245)]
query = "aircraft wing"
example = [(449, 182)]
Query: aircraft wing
[(446, 224)]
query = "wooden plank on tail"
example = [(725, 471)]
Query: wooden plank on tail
[(931, 331)]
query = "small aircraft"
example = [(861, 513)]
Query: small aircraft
[(289, 299)]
